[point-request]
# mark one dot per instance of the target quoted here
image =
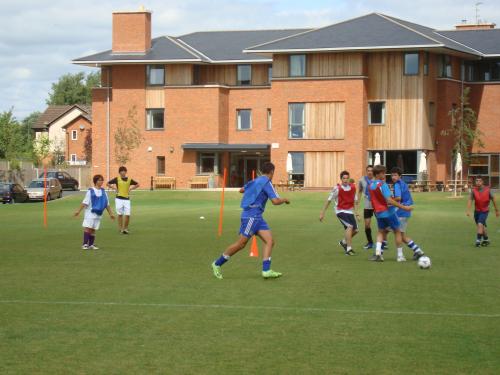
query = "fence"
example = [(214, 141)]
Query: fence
[(27, 172)]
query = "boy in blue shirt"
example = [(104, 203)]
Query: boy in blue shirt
[(402, 195), (255, 196)]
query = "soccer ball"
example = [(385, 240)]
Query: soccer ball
[(424, 262)]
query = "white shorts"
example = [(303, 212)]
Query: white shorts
[(91, 223), (404, 223), (122, 207)]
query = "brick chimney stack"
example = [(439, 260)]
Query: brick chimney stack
[(475, 26), (132, 31)]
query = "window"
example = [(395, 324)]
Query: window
[(296, 120), (426, 63), (411, 64), (244, 75), (376, 113), (297, 174), (196, 75), (270, 74), (73, 157), (445, 67), (155, 75), (155, 119), (74, 135), (160, 165), (269, 119), (432, 114), (208, 163), (244, 119), (297, 65)]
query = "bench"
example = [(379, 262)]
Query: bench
[(199, 182), (162, 182)]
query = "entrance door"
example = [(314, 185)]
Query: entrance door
[(251, 166)]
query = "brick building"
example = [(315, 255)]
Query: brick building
[(329, 98)]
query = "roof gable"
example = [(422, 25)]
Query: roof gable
[(55, 112)]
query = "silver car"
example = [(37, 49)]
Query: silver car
[(35, 189)]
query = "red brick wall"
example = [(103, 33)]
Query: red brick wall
[(131, 31), (77, 147), (485, 99)]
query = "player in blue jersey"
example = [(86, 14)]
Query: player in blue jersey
[(402, 195), (255, 196)]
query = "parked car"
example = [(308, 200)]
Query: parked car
[(53, 186), (11, 192), (67, 182)]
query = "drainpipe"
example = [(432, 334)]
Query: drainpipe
[(107, 125)]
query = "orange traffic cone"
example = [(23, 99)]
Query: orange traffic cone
[(254, 249)]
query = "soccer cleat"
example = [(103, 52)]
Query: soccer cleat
[(85, 247), (369, 245), (271, 274), (343, 244), (417, 254), (125, 231), (217, 271), (93, 247), (350, 252), (377, 258), (485, 243), (478, 244), (401, 259)]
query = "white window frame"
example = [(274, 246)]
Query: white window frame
[(370, 113), (238, 119), (73, 158), (74, 135), (159, 67), (149, 119), (292, 125)]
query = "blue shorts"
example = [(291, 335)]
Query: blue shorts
[(480, 217), (252, 225), (389, 222)]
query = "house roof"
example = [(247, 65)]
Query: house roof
[(372, 31), (54, 112), (485, 41), (224, 46)]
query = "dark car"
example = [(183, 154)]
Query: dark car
[(11, 192), (67, 182)]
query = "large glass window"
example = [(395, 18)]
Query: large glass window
[(296, 120), (297, 174), (155, 119), (297, 65), (445, 69), (244, 75), (376, 113), (426, 63), (155, 75), (269, 73), (484, 70), (244, 119), (208, 163), (160, 165), (411, 64)]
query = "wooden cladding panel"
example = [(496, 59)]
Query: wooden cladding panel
[(260, 74), (280, 66), (179, 74), (321, 169), (334, 64), (155, 97), (218, 74), (325, 120), (405, 124)]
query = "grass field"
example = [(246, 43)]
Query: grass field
[(148, 303)]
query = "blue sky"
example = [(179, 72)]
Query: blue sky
[(38, 38)]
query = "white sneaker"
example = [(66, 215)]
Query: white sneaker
[(401, 259), (94, 247), (85, 247)]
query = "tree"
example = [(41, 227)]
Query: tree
[(73, 89), (41, 149), (127, 137), (12, 141), (463, 128)]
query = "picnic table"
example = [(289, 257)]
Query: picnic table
[(422, 186)]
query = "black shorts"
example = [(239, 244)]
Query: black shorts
[(348, 220), (368, 213)]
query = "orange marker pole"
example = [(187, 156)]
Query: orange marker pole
[(254, 249), (45, 197), (221, 213)]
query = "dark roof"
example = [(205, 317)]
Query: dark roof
[(367, 32), (162, 49), (53, 112), (485, 41), (225, 147), (228, 45)]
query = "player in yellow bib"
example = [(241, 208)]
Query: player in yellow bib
[(123, 186)]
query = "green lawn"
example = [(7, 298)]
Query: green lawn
[(148, 303)]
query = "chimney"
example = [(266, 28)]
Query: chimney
[(475, 26), (132, 31)]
